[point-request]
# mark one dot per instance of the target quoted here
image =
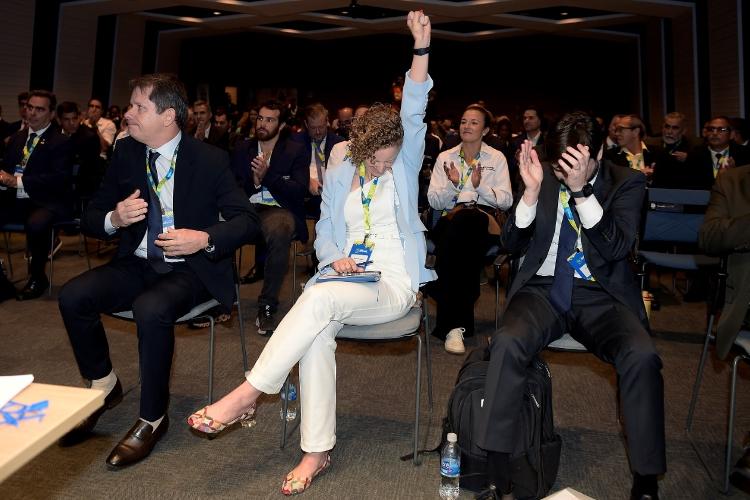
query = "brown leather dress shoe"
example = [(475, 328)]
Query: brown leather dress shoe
[(137, 444), (82, 431)]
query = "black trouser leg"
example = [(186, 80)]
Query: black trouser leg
[(461, 245), (529, 324), (277, 226), (614, 334), (106, 289), (38, 231), (155, 311)]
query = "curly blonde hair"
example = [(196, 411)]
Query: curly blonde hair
[(380, 127)]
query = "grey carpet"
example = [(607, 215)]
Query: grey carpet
[(375, 412)]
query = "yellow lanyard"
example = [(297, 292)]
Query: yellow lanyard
[(170, 173), (366, 200), (564, 197), (28, 150)]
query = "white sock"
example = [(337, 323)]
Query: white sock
[(155, 423), (105, 384)]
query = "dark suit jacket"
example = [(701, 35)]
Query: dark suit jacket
[(47, 176), (287, 178), (204, 189), (304, 139), (85, 148), (724, 231), (699, 172), (607, 245), (218, 137)]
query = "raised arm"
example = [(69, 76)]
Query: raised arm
[(419, 24)]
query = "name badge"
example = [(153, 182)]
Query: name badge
[(361, 253), (266, 195), (167, 221), (577, 262), (18, 170)]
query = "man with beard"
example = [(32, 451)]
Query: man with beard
[(274, 172), (675, 147)]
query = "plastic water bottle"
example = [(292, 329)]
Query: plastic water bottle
[(450, 468), (291, 408)]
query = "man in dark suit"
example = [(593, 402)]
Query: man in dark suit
[(207, 132), (724, 231), (318, 140), (162, 195), (274, 172), (88, 166), (36, 185), (632, 151), (718, 153), (675, 147), (575, 226)]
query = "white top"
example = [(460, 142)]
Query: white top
[(388, 250), (494, 189)]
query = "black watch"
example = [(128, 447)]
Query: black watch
[(585, 192), (210, 248)]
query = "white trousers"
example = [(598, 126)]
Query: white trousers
[(307, 335)]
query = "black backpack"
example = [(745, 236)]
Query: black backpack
[(536, 457)]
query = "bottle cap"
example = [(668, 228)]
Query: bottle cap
[(452, 438)]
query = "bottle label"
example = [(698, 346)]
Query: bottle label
[(450, 467)]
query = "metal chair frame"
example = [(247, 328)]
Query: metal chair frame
[(423, 325)]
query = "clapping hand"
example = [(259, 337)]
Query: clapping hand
[(259, 168), (531, 172), (452, 173), (476, 175)]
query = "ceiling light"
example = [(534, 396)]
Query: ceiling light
[(563, 13), (217, 13)]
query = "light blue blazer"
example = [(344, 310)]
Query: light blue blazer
[(331, 228)]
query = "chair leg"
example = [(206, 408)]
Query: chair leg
[(730, 425), (211, 360), (7, 252), (51, 261), (417, 394), (699, 375), (284, 407), (294, 271), (242, 328), (497, 298), (428, 353)]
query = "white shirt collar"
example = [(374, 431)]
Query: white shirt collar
[(167, 149), (37, 132)]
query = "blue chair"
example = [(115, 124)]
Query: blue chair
[(673, 216)]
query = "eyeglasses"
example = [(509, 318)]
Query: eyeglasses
[(722, 130), (620, 128)]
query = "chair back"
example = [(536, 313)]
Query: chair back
[(674, 215)]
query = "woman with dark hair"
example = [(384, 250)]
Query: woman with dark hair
[(469, 183), (368, 221)]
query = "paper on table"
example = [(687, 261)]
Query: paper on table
[(12, 385)]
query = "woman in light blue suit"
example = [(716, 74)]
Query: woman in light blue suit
[(369, 221)]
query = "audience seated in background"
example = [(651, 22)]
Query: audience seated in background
[(318, 140), (343, 123), (633, 152), (87, 166), (275, 173), (35, 185), (674, 150), (740, 131), (382, 168), (468, 184), (173, 254), (575, 226), (205, 131), (717, 153), (611, 140), (724, 231)]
